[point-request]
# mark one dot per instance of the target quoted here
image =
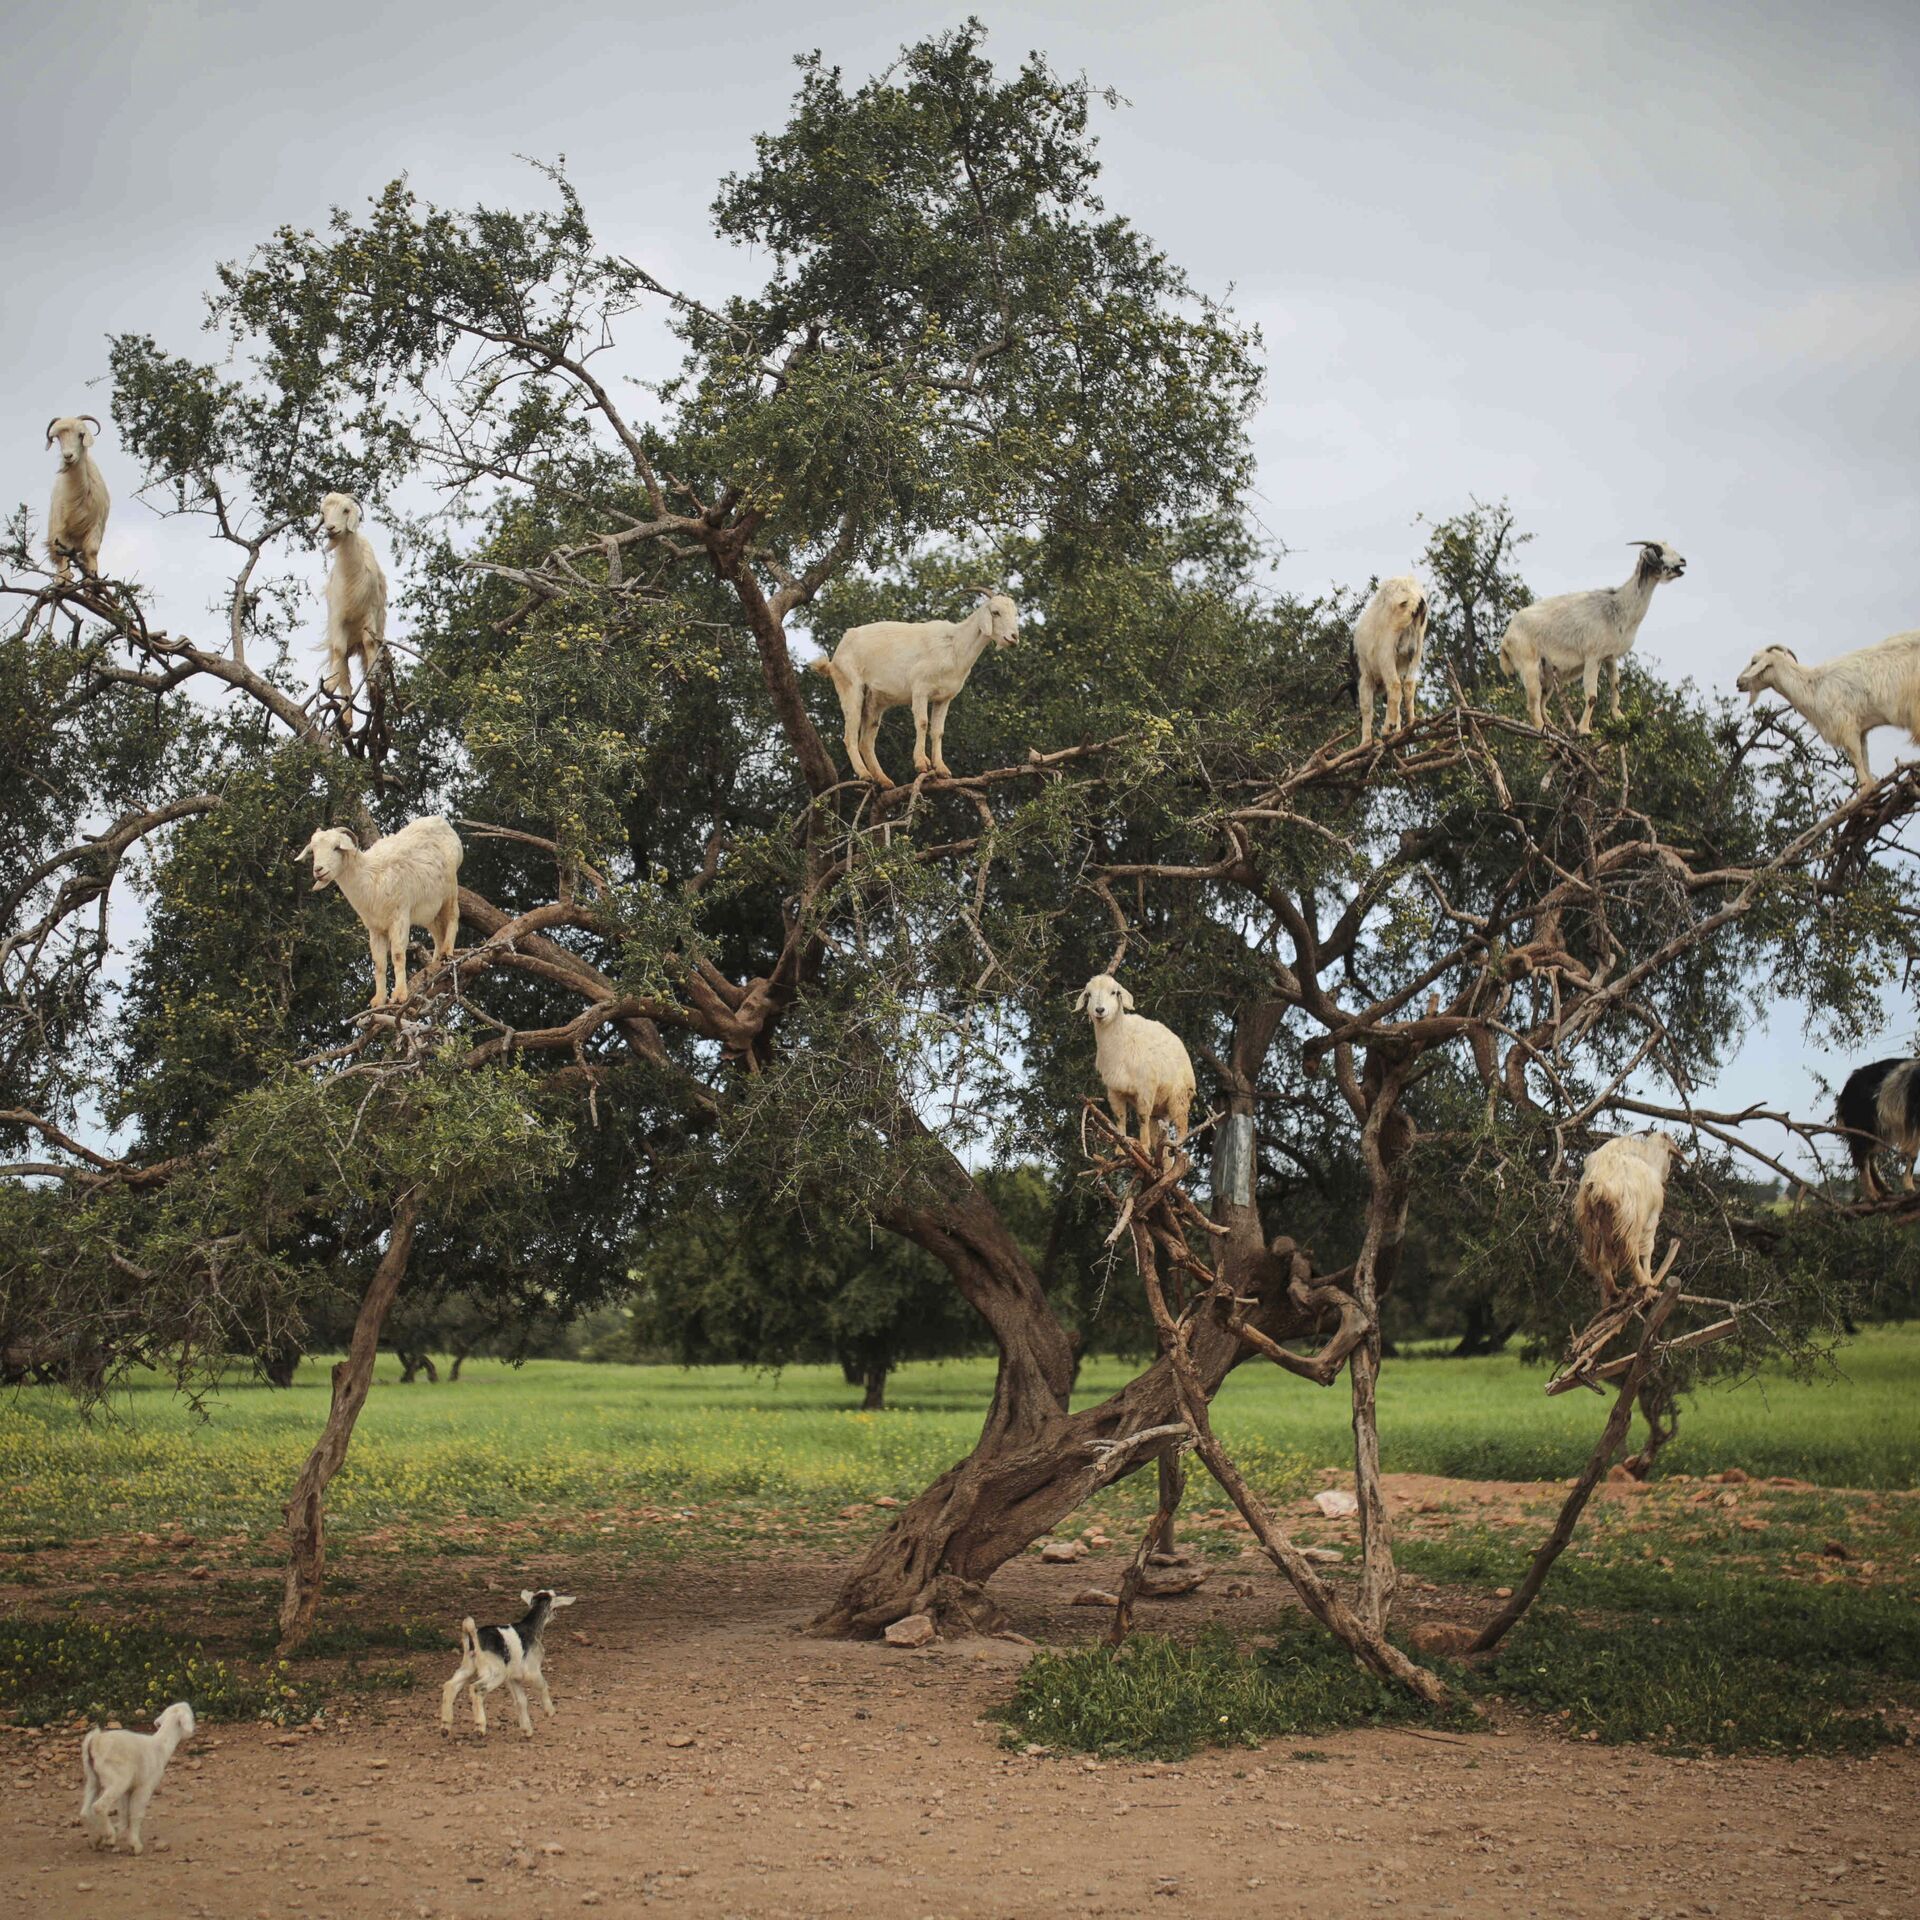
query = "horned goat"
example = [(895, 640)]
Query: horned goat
[(1845, 699), (1616, 1211), (1880, 1108), (1577, 632), (1389, 643), (77, 514), (1143, 1065), (504, 1656), (120, 1770), (917, 663), (408, 879), (356, 597)]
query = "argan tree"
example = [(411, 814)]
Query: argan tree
[(704, 964)]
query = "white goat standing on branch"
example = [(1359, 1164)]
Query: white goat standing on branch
[(1623, 1189), (1576, 632), (1142, 1064), (409, 879), (1844, 700), (77, 513), (356, 597), (922, 663), (1389, 642)]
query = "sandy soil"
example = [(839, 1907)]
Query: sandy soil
[(710, 1759)]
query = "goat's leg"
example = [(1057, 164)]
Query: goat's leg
[(92, 1817), (937, 725), (1536, 696), (397, 937), (520, 1703), (1613, 670), (1590, 686), (1366, 708), (450, 1696), (446, 930), (377, 946), (539, 1679), (870, 742), (852, 695), (921, 764), (477, 1694), (137, 1812)]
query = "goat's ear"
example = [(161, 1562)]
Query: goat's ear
[(1126, 999), (563, 1599), (526, 1596), (1082, 1001)]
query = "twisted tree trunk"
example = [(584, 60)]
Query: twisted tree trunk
[(306, 1535)]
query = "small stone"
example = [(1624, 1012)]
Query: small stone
[(1837, 1550), (1320, 1556), (1094, 1597), (1440, 1636), (1062, 1552), (679, 1739), (1503, 1593), (199, 1573), (916, 1630), (1336, 1503), (853, 1512), (885, 1500), (1734, 1477)]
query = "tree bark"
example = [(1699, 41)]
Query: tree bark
[(1034, 1462), (306, 1536), (413, 1363), (874, 1383), (280, 1362), (459, 1361)]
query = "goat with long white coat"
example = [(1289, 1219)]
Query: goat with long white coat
[(408, 879), (492, 1657), (356, 597), (120, 1770), (1623, 1190), (1142, 1064), (1389, 643), (917, 663), (1846, 698), (77, 513), (1580, 632)]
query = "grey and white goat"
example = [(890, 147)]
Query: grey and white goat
[(1575, 632), (493, 1657), (120, 1771)]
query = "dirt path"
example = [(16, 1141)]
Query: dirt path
[(830, 1779)]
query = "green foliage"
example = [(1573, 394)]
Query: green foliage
[(1162, 1699), (53, 1670)]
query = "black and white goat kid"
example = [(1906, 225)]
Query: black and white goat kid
[(1880, 1108), (491, 1657)]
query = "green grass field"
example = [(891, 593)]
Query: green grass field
[(1724, 1625), (555, 1438)]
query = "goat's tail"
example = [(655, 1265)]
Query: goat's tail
[(469, 1640), (825, 668), (1603, 1240), (89, 1773), (1506, 658)]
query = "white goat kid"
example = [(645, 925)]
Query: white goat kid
[(356, 597), (1578, 632), (1389, 643), (77, 513), (1845, 699), (408, 879), (1623, 1188), (917, 663), (120, 1771), (1142, 1064), (491, 1657)]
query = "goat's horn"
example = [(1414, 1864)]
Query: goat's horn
[(971, 586), (1646, 543), (97, 427), (51, 424)]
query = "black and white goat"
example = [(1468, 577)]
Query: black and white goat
[(1880, 1108), (491, 1657)]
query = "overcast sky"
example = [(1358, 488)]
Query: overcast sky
[(1649, 271)]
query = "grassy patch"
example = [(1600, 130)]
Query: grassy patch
[(52, 1670), (1163, 1699), (1706, 1683)]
